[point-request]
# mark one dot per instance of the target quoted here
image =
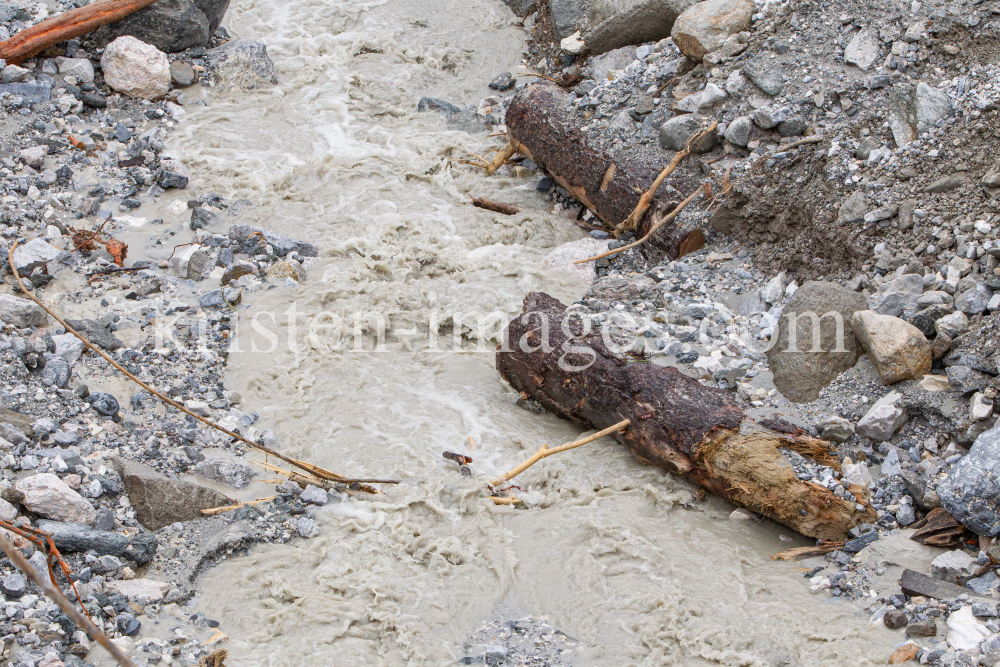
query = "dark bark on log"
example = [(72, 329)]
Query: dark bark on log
[(540, 127), (66, 26), (678, 424)]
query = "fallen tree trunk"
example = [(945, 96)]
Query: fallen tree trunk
[(66, 26), (677, 423), (541, 126)]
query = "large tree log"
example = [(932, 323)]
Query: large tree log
[(678, 424), (541, 126), (66, 26)]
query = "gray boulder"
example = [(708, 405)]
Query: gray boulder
[(21, 313), (674, 134), (79, 537), (169, 25), (971, 492), (617, 23), (97, 334), (915, 109), (738, 132), (281, 244), (224, 471), (566, 14), (242, 64), (160, 501), (973, 301), (803, 369)]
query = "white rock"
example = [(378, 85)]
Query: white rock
[(153, 591), (563, 256), (7, 511), (703, 99), (863, 49), (81, 68), (934, 383), (883, 419), (965, 632), (200, 408), (49, 496), (573, 44), (34, 253), (20, 312), (953, 564), (775, 289), (68, 346), (741, 514), (980, 407), (952, 325), (33, 157), (856, 473), (314, 495), (136, 69)]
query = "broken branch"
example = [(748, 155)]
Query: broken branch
[(701, 433), (166, 399), (662, 221), (543, 128), (56, 596), (235, 506), (500, 159), (632, 221), (66, 26), (495, 206), (546, 451)]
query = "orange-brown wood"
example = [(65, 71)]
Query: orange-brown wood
[(66, 26)]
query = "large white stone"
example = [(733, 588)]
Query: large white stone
[(965, 632), (49, 496), (883, 419), (863, 49), (153, 591), (20, 312), (136, 69), (68, 346), (36, 252)]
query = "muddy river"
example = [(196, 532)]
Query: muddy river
[(620, 557)]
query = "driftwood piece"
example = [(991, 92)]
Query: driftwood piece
[(802, 553), (541, 127), (939, 529), (495, 206), (66, 26), (699, 432)]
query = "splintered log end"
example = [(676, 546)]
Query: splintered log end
[(749, 470)]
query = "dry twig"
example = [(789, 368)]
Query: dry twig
[(547, 451), (652, 230), (801, 142), (56, 596), (171, 402), (632, 221), (235, 506), (495, 206)]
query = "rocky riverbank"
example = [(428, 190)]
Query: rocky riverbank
[(853, 175), (84, 130), (853, 165)]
